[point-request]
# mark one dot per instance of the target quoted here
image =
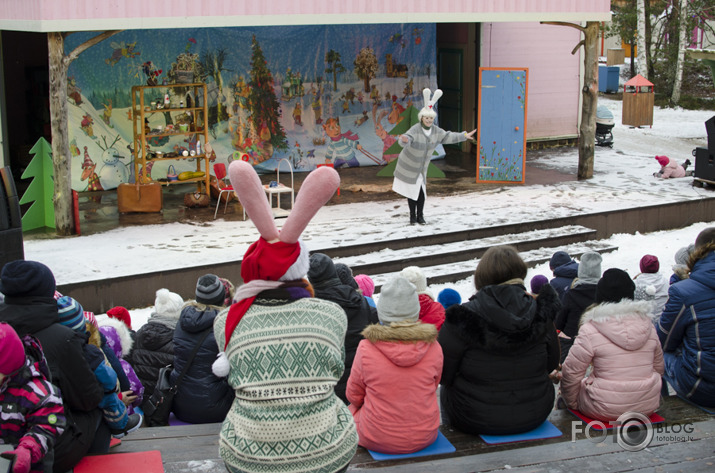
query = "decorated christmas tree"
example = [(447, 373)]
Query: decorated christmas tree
[(409, 119), (262, 101), (40, 191)]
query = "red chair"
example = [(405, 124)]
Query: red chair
[(220, 172), (330, 166)]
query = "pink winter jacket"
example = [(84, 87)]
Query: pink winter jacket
[(392, 387), (619, 340), (672, 170)]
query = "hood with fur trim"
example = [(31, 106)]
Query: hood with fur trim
[(118, 337), (626, 323), (403, 343), (504, 318)]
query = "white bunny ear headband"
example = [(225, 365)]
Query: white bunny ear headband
[(430, 101)]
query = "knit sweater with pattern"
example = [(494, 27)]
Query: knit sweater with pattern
[(285, 358)]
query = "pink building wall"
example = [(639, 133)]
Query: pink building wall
[(554, 74)]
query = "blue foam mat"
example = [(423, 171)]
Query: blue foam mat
[(441, 445), (546, 430)]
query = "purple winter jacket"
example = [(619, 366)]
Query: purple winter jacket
[(120, 341)]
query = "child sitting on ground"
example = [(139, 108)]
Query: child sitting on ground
[(392, 387), (31, 412), (120, 342), (114, 409), (618, 338), (669, 169), (651, 285)]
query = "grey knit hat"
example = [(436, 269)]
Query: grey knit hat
[(398, 302), (590, 266), (210, 290), (683, 255)]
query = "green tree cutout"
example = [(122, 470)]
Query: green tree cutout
[(409, 119), (40, 191)]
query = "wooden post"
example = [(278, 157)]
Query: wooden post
[(61, 158)]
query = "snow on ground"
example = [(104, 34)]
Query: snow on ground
[(623, 177)]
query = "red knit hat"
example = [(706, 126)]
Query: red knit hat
[(122, 314), (268, 261), (650, 264), (662, 160), (12, 351)]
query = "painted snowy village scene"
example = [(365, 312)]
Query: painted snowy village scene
[(302, 93)]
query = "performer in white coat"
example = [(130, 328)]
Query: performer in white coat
[(418, 143)]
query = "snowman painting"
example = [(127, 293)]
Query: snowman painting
[(113, 172)]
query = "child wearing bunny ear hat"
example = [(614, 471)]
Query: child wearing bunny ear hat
[(283, 348), (419, 142)]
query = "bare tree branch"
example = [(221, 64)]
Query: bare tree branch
[(89, 43), (565, 23), (580, 43)]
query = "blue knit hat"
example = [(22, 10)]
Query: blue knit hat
[(22, 278), (559, 258), (71, 313), (449, 297)]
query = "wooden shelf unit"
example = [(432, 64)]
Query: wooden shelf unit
[(141, 109)]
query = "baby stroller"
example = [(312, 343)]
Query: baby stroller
[(604, 125)]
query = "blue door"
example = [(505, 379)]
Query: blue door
[(501, 125)]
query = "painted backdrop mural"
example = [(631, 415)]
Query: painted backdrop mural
[(312, 94)]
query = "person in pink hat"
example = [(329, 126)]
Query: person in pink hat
[(669, 168), (31, 412)]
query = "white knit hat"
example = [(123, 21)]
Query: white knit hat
[(168, 303), (398, 302), (415, 275)]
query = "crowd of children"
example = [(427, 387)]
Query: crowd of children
[(306, 340)]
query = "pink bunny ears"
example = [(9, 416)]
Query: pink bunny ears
[(317, 189)]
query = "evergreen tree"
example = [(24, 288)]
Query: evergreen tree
[(334, 66), (40, 191), (262, 101)]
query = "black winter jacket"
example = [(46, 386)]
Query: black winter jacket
[(573, 306), (326, 284), (153, 349), (63, 349), (499, 348), (61, 345), (202, 396)]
